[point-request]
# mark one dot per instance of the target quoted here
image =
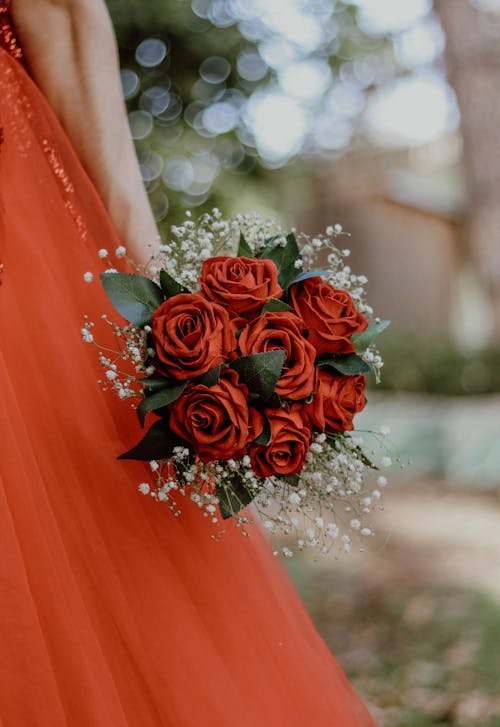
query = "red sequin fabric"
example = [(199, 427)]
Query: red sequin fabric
[(8, 38)]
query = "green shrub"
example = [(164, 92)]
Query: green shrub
[(438, 366)]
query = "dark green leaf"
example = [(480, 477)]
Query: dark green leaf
[(275, 401), (265, 436), (170, 286), (260, 371), (362, 340), (156, 381), (284, 257), (290, 479), (274, 305), (310, 274), (349, 364), (286, 276), (211, 378), (244, 249), (161, 398), (134, 296), (157, 443), (233, 497)]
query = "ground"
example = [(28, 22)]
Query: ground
[(415, 621)]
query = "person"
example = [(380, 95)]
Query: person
[(113, 612)]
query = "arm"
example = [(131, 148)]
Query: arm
[(75, 63)]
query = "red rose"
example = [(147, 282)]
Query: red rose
[(191, 335), (329, 315), (272, 331), (338, 399), (286, 452), (240, 284), (216, 420)]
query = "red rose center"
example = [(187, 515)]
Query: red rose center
[(187, 324), (282, 456)]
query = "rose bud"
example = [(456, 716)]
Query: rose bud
[(241, 284), (329, 315)]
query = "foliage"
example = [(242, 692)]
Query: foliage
[(438, 366), (418, 653), (171, 97)]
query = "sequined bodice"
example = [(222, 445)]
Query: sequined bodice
[(8, 38)]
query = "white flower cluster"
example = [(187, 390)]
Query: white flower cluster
[(329, 504), (190, 244)]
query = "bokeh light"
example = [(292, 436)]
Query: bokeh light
[(297, 78), (151, 52)]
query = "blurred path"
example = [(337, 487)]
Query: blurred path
[(449, 438), (453, 536)]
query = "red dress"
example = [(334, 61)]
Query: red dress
[(114, 613)]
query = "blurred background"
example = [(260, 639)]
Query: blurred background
[(382, 116)]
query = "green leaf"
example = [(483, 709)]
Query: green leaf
[(282, 256), (158, 443), (233, 497), (310, 274), (244, 249), (275, 401), (170, 286), (135, 297), (161, 398), (286, 276), (362, 340), (265, 436), (211, 378), (274, 305), (290, 479), (260, 371), (156, 381), (349, 364)]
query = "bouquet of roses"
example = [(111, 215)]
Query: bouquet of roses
[(253, 364)]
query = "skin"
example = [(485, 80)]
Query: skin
[(74, 61)]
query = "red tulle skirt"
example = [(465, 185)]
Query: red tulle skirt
[(112, 611)]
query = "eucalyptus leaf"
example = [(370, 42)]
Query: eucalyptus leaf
[(260, 371), (158, 443), (244, 249), (310, 274), (274, 305), (233, 497), (365, 338), (170, 286), (135, 297), (160, 398), (349, 364)]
